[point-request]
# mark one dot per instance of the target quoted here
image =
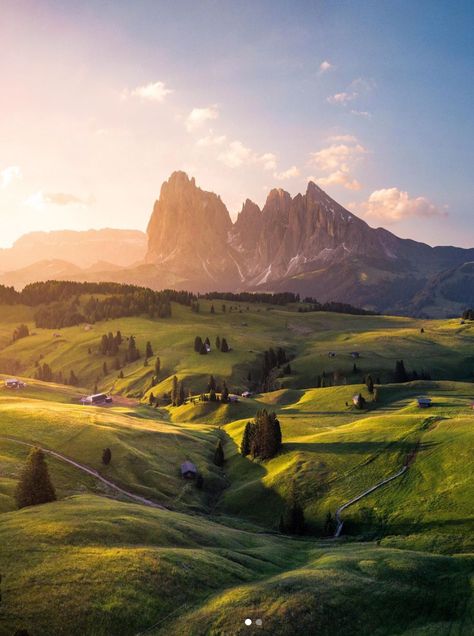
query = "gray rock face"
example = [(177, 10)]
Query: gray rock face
[(308, 244)]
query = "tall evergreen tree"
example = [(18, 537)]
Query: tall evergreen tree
[(213, 311), (148, 350), (224, 346), (157, 366), (400, 372), (369, 383), (211, 383), (218, 343), (245, 445), (106, 456), (219, 454), (224, 393), (35, 485), (104, 368)]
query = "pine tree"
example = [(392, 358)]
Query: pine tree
[(73, 381), (219, 454), (224, 308), (157, 366), (400, 372), (329, 525), (212, 396), (213, 311), (224, 346), (245, 445), (224, 393), (104, 345), (369, 383), (35, 485), (295, 521), (151, 399), (104, 368), (203, 350), (106, 456), (218, 343), (118, 338), (149, 350), (120, 375)]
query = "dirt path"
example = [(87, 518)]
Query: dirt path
[(90, 471), (340, 523)]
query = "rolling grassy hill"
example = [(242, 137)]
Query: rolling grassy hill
[(444, 349), (405, 563)]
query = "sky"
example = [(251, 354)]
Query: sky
[(101, 101)]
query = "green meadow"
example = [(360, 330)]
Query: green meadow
[(96, 563)]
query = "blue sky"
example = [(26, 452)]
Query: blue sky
[(103, 100)]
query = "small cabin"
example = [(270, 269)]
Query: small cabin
[(246, 394), (359, 401), (13, 383), (208, 348), (188, 470), (97, 398), (355, 354), (233, 398), (424, 402)]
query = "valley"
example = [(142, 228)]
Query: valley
[(216, 554)]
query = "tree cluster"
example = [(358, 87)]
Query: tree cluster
[(468, 314), (21, 331), (273, 360), (335, 307), (293, 521), (262, 437), (204, 346), (282, 298)]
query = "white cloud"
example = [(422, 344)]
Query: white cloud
[(342, 98), (9, 174), (339, 177), (287, 174), (325, 66), (390, 205), (337, 156), (235, 154), (268, 160), (338, 160), (199, 116), (39, 200), (154, 92)]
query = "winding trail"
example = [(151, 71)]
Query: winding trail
[(90, 471), (339, 521)]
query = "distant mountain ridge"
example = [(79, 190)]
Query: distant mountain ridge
[(83, 249), (307, 244)]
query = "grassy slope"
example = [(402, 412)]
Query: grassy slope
[(443, 350), (146, 452), (116, 568), (332, 453)]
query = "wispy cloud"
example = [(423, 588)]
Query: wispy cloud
[(9, 174), (287, 174), (389, 205), (153, 92), (211, 140), (40, 200), (361, 113), (359, 86), (199, 116), (342, 98), (325, 66)]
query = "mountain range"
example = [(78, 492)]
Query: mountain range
[(307, 244)]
